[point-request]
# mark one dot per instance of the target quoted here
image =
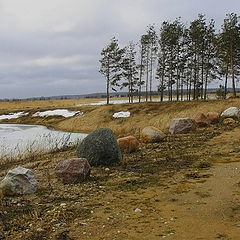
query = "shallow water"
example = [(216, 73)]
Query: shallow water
[(18, 139)]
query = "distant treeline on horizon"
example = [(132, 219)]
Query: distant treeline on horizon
[(103, 95)]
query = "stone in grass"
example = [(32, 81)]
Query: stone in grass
[(213, 117), (182, 125), (152, 134), (19, 181), (229, 121), (73, 170), (128, 144), (200, 119), (100, 148), (232, 112)]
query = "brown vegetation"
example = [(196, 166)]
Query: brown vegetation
[(157, 114), (177, 183)]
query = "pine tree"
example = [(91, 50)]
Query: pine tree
[(162, 60), (141, 65), (153, 48), (197, 35), (228, 49), (130, 71), (111, 67)]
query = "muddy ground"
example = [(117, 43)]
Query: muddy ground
[(187, 187)]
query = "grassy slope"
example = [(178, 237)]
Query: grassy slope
[(143, 114)]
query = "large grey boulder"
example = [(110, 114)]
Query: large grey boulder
[(232, 112), (152, 134), (182, 125), (100, 148), (19, 180), (73, 170)]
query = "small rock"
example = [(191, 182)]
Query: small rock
[(19, 180), (232, 112), (137, 210), (182, 125), (128, 144), (229, 121), (73, 170), (40, 229), (152, 134)]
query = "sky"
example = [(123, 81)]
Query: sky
[(52, 47)]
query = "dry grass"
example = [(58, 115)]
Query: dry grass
[(142, 114), (43, 104)]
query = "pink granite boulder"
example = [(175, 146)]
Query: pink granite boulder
[(128, 144), (200, 119), (74, 170), (182, 125), (213, 117)]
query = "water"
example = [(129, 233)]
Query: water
[(16, 139)]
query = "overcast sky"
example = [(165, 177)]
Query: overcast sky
[(52, 47)]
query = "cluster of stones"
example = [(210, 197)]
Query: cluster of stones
[(101, 148)]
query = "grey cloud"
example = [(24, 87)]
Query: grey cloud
[(55, 49)]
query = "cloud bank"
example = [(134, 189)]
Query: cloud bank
[(53, 47)]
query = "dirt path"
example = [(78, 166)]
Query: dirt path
[(204, 206), (210, 210)]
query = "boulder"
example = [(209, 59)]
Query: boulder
[(152, 134), (232, 112), (182, 125), (213, 117), (19, 181), (128, 144), (100, 148), (229, 121), (74, 170), (200, 119)]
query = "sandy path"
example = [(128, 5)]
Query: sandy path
[(210, 210)]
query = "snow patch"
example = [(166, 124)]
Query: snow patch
[(57, 112), (13, 115), (121, 115)]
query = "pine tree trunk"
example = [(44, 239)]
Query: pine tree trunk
[(146, 93), (205, 86), (181, 81), (162, 84), (206, 80), (225, 85), (233, 79), (140, 79), (195, 77), (190, 86), (151, 76), (187, 85), (108, 81), (129, 90), (169, 92), (202, 78)]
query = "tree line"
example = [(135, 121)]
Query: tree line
[(182, 58)]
